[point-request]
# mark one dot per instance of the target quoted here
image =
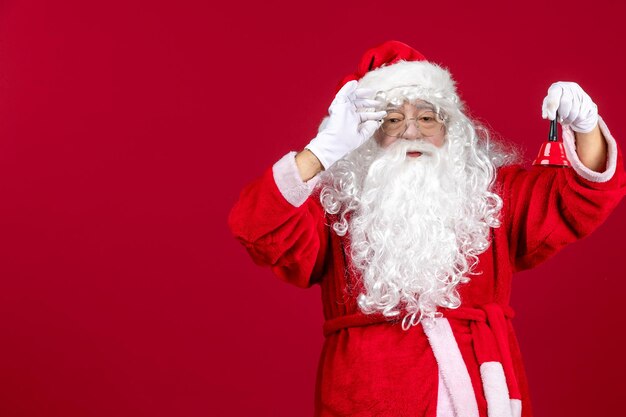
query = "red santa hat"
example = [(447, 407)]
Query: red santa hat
[(395, 70)]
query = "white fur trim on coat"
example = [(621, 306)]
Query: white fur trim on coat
[(569, 143), (451, 367), (444, 400), (496, 390), (290, 183), (516, 407)]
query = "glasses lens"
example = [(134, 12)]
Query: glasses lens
[(428, 122), (394, 124)]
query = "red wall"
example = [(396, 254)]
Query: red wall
[(127, 129)]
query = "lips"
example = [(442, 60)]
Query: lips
[(413, 154)]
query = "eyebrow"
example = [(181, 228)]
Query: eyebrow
[(399, 110)]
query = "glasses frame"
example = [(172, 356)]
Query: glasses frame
[(438, 117)]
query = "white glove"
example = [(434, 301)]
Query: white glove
[(573, 106), (352, 121)]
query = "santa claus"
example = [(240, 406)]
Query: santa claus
[(412, 220)]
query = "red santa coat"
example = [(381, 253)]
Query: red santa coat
[(370, 366)]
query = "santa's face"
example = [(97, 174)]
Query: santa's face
[(411, 121)]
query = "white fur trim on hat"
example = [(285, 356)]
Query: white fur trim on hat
[(422, 75)]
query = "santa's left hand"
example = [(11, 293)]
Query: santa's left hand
[(573, 105)]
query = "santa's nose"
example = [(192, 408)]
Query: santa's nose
[(412, 131)]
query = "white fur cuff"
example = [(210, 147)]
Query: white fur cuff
[(289, 183), (569, 142)]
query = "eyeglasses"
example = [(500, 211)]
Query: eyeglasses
[(396, 123)]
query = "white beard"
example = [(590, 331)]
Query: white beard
[(416, 232)]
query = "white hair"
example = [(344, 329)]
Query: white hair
[(417, 226)]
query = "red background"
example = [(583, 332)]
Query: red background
[(127, 130)]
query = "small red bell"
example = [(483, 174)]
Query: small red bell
[(552, 153)]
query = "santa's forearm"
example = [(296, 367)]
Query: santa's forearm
[(592, 149), (308, 164)]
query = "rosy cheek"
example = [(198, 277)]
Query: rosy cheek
[(438, 140), (385, 141)]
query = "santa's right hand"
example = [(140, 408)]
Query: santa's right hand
[(352, 119)]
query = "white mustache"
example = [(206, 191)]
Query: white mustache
[(415, 146)]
